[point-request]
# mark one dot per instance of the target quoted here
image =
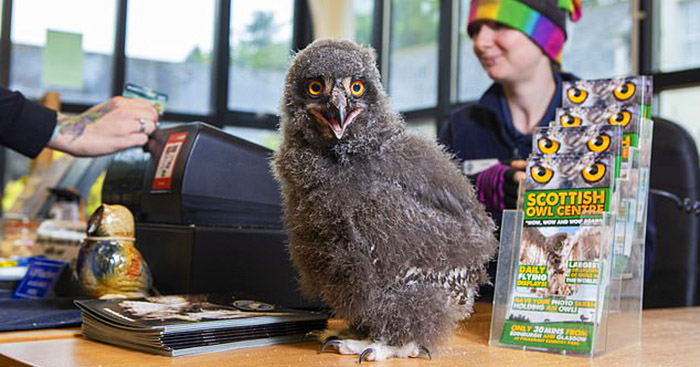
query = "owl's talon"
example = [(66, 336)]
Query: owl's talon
[(425, 351), (334, 341), (365, 355)]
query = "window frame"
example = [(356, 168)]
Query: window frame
[(649, 39)]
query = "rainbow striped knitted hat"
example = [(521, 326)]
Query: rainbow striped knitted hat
[(544, 21)]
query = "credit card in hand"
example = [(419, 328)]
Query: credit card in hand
[(159, 99)]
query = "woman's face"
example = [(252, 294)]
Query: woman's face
[(507, 55)]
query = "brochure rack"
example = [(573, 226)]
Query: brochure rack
[(601, 308)]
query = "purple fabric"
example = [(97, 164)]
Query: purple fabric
[(489, 186)]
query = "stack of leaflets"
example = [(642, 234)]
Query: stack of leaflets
[(193, 324), (583, 211)]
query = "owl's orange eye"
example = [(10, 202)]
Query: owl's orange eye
[(569, 121), (593, 173), (547, 146), (599, 144), (625, 91), (621, 118), (357, 88), (315, 88), (576, 95), (541, 174)]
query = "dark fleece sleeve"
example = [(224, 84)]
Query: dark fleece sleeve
[(24, 126)]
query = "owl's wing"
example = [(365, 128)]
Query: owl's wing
[(533, 247), (433, 178)]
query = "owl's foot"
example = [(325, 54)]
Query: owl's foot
[(366, 349), (378, 351)]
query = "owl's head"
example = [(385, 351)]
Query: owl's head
[(333, 92), (111, 221)]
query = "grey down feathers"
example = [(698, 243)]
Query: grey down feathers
[(382, 225)]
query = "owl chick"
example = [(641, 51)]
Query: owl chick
[(382, 225), (109, 265)]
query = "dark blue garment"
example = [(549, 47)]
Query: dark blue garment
[(484, 130), (24, 126)]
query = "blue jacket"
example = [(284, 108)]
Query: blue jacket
[(484, 129)]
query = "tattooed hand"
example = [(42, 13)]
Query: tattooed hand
[(111, 126)]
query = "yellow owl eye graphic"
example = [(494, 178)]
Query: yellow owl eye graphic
[(541, 174), (576, 95), (569, 120), (547, 146), (625, 91), (593, 173), (357, 88), (599, 144), (621, 118), (315, 88)]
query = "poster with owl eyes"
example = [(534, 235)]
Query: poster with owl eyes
[(605, 92), (575, 140), (554, 298), (569, 171), (627, 116)]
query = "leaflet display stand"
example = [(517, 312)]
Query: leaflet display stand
[(584, 296)]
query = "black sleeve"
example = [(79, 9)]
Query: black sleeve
[(24, 126)]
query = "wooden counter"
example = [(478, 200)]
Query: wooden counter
[(671, 337)]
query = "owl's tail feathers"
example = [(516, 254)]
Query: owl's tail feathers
[(419, 314)]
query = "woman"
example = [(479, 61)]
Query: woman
[(519, 44)]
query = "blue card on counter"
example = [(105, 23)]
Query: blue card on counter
[(159, 99), (40, 278)]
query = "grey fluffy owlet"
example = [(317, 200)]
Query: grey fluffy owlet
[(382, 225)]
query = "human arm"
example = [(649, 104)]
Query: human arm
[(497, 186), (27, 127), (111, 126)]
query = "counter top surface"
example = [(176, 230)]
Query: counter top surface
[(670, 337)]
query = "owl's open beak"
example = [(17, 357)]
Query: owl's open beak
[(341, 104), (336, 117)]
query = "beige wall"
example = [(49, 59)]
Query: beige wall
[(332, 18)]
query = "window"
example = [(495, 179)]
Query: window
[(261, 41), (472, 80), (598, 45), (364, 13), (679, 34), (413, 55), (87, 26), (423, 126), (169, 49), (681, 106)]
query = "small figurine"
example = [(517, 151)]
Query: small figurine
[(109, 266)]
